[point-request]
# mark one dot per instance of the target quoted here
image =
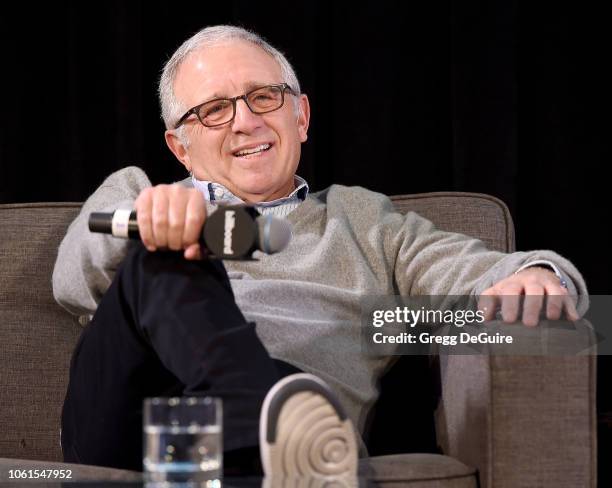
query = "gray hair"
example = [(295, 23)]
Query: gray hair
[(172, 108)]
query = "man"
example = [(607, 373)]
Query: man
[(173, 324)]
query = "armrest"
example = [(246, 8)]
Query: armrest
[(520, 420)]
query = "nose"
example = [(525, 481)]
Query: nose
[(245, 121)]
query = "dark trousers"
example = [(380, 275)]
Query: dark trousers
[(165, 327)]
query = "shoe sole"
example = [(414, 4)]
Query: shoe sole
[(304, 432)]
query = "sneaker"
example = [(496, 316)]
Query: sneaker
[(304, 433)]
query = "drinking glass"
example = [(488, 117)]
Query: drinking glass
[(183, 439)]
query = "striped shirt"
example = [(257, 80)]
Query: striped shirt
[(216, 193)]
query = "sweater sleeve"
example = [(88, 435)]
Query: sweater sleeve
[(430, 261), (86, 262)]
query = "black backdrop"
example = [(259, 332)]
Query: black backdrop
[(491, 96)]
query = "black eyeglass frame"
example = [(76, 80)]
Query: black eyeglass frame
[(196, 110)]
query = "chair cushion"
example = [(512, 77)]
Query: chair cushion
[(418, 471), (411, 470), (80, 472)]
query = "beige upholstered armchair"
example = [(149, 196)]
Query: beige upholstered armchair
[(509, 421)]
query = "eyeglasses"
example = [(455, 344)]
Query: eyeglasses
[(223, 110)]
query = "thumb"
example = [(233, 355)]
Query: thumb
[(193, 252)]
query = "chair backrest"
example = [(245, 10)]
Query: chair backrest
[(482, 216), (38, 336)]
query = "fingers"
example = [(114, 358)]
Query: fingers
[(511, 302), (195, 214), (144, 207), (487, 303), (171, 217), (193, 252), (505, 295), (570, 309), (532, 287), (554, 302), (532, 304), (177, 211), (560, 301), (160, 219)]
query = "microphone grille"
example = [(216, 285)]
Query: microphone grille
[(273, 233)]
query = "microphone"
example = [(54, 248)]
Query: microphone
[(230, 232)]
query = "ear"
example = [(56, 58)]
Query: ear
[(303, 119), (178, 148)]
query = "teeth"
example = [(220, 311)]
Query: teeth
[(257, 149)]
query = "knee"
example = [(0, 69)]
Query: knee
[(144, 269)]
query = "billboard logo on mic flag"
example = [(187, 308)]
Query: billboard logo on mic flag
[(230, 223)]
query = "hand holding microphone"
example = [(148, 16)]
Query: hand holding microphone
[(174, 217), (171, 217)]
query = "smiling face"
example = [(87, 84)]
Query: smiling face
[(216, 154)]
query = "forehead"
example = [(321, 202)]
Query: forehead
[(224, 70)]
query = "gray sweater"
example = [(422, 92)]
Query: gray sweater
[(348, 242)]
